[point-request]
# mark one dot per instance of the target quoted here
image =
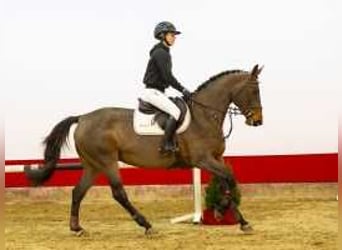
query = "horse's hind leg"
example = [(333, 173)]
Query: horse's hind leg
[(78, 194), (119, 194)]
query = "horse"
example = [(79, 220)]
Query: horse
[(106, 135)]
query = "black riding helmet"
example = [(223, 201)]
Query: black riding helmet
[(164, 27)]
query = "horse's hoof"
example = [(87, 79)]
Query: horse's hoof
[(80, 232), (247, 229), (150, 232)]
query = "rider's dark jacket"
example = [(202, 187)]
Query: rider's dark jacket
[(158, 74)]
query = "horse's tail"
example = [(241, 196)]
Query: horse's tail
[(53, 144)]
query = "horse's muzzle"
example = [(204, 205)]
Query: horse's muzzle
[(254, 117), (251, 122)]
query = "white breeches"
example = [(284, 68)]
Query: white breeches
[(161, 101)]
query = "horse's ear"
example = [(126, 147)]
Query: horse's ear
[(260, 69), (256, 70)]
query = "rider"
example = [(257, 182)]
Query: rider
[(158, 77)]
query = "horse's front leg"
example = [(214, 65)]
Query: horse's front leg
[(227, 180)]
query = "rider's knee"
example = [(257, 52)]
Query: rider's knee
[(176, 114)]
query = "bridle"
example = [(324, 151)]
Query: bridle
[(231, 110)]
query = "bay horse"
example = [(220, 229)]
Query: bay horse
[(105, 136)]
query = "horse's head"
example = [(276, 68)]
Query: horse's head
[(247, 97)]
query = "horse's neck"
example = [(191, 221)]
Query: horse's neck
[(217, 97), (218, 93)]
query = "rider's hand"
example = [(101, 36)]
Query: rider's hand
[(186, 93)]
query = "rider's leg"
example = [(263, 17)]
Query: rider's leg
[(161, 101), (168, 143)]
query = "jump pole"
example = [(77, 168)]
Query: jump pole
[(196, 216)]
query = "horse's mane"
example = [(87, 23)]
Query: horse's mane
[(213, 78)]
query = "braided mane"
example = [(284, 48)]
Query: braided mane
[(215, 77)]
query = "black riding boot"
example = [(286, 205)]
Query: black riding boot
[(168, 144)]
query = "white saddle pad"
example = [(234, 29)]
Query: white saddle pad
[(144, 124)]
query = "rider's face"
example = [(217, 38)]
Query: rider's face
[(170, 38)]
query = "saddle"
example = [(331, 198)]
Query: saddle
[(160, 116), (149, 120)]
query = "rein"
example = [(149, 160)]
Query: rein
[(231, 111), (207, 106)]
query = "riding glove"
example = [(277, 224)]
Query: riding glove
[(186, 93)]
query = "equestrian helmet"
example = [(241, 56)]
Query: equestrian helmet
[(164, 27)]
